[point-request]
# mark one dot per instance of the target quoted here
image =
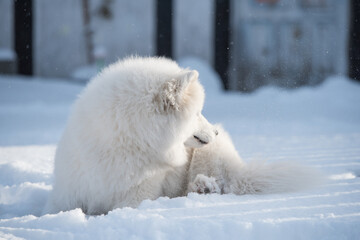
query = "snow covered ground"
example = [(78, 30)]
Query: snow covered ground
[(317, 126)]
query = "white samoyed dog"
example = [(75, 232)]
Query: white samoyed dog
[(136, 132), (126, 138)]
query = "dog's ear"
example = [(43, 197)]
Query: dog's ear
[(184, 79), (171, 91)]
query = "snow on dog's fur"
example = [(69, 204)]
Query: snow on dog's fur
[(136, 132), (124, 141)]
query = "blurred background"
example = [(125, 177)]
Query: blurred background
[(250, 43)]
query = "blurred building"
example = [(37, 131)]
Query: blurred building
[(288, 43), (283, 42)]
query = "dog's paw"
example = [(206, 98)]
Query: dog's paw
[(204, 185)]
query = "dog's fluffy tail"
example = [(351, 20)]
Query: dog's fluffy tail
[(259, 177), (220, 160)]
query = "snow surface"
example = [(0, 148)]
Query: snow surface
[(316, 126)]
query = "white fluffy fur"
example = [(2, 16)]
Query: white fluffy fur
[(218, 168), (124, 141), (136, 133)]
